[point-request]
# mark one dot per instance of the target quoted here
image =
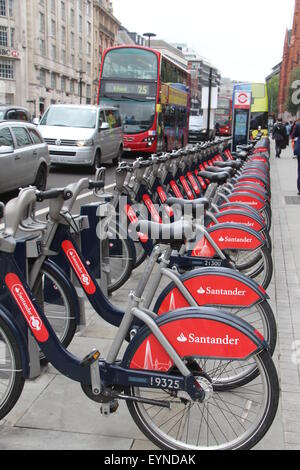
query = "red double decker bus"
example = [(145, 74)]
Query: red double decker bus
[(223, 116), (153, 96)]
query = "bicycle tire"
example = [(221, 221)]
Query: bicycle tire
[(267, 215), (247, 440), (65, 328), (258, 265), (141, 255), (124, 257), (262, 273), (10, 348)]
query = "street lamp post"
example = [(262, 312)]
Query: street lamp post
[(149, 36), (81, 72), (209, 103)]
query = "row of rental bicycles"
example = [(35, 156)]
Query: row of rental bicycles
[(197, 372)]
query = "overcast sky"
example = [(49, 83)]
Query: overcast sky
[(243, 39)]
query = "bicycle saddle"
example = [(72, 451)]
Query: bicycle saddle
[(233, 164), (194, 204), (227, 169), (243, 155), (145, 163), (175, 234), (219, 178), (245, 148), (163, 158)]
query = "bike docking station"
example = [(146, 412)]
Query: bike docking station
[(89, 231), (241, 118), (204, 341), (28, 248)]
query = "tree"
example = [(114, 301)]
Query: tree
[(273, 90), (293, 100)]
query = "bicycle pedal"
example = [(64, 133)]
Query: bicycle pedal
[(90, 359), (109, 408)]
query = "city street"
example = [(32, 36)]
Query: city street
[(60, 177), (167, 316)]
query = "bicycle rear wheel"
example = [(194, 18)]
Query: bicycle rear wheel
[(258, 265), (226, 420), (11, 374)]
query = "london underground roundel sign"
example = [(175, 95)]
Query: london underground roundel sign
[(242, 100)]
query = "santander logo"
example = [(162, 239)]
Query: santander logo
[(193, 338), (79, 267), (34, 319), (250, 203), (182, 339), (235, 239), (26, 307), (221, 292), (201, 291)]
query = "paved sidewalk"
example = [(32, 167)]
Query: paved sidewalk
[(53, 413)]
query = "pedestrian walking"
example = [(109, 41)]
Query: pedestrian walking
[(280, 136), (292, 136), (296, 136)]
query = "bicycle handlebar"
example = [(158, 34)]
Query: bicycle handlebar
[(96, 184), (53, 194)]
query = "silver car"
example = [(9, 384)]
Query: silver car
[(83, 135), (24, 156)]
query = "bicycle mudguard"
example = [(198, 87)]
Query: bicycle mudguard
[(20, 337), (247, 198), (241, 206), (240, 217), (228, 237), (194, 332), (252, 178), (261, 159), (249, 190), (254, 186), (211, 287)]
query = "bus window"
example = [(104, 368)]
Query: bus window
[(130, 63)]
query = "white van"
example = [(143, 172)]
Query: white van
[(82, 135)]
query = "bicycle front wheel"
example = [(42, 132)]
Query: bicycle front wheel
[(54, 298), (11, 374), (226, 420), (120, 261)]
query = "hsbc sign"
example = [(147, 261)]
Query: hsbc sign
[(9, 53)]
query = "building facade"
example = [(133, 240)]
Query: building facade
[(50, 50), (200, 69), (290, 60), (170, 51)]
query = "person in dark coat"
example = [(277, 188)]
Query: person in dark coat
[(296, 136), (280, 137)]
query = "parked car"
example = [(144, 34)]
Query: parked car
[(24, 156), (83, 135), (14, 113), (197, 130)]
